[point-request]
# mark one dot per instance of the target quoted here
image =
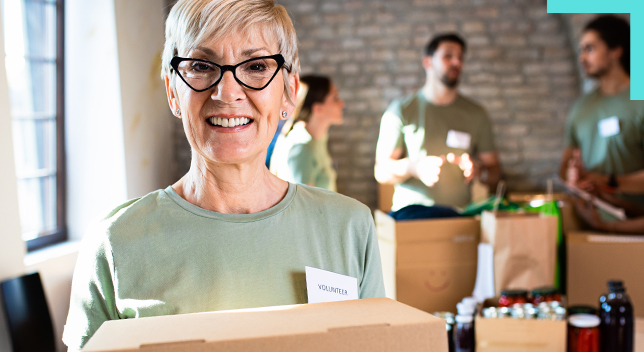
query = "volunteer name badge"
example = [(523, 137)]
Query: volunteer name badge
[(608, 127), (326, 286), (459, 140)]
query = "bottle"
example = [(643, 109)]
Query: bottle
[(464, 332), (616, 315)]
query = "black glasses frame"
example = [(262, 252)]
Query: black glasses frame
[(223, 68)]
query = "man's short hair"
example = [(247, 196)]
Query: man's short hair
[(615, 32), (433, 44)]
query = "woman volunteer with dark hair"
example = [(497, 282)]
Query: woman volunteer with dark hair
[(228, 234), (302, 155)]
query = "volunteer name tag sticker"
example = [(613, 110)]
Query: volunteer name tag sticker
[(457, 139), (608, 127), (327, 286)]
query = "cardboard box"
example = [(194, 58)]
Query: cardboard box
[(527, 335), (428, 264), (385, 197), (570, 219), (595, 258), (377, 324)]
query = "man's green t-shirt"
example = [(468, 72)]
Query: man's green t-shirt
[(609, 131), (301, 159), (422, 128), (160, 255)]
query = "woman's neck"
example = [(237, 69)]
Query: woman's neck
[(231, 188), (317, 127)]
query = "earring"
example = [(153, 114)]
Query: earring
[(284, 114), (178, 112)]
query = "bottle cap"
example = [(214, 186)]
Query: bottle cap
[(584, 320), (464, 309), (470, 301)]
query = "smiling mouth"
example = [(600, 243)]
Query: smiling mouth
[(231, 122)]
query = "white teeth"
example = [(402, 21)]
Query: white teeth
[(232, 122)]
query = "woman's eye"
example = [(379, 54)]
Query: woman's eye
[(256, 67), (200, 67)]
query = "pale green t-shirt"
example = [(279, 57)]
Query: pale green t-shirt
[(422, 128), (301, 159), (614, 150), (160, 255)]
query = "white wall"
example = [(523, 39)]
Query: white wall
[(93, 123), (147, 120), (12, 248), (118, 128)]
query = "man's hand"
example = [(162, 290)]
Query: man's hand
[(586, 211), (427, 169), (471, 169)]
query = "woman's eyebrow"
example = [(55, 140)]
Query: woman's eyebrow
[(205, 50), (249, 52)]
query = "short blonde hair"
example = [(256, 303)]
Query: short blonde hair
[(191, 22)]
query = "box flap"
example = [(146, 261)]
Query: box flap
[(599, 237), (271, 322), (463, 229)]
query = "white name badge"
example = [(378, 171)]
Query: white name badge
[(326, 286), (459, 140), (608, 127)]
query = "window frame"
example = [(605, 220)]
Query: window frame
[(58, 235)]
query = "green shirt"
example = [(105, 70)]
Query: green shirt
[(160, 255), (617, 153), (301, 159), (421, 128)]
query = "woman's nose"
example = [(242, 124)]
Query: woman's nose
[(228, 89)]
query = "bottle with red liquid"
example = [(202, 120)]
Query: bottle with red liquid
[(616, 315)]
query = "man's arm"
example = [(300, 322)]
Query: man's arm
[(565, 159), (490, 167), (632, 183), (393, 170), (587, 211)]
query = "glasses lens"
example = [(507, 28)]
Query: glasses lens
[(257, 73), (198, 74)]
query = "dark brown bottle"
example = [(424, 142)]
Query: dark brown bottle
[(616, 315), (464, 329)]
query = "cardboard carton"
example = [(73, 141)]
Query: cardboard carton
[(505, 335), (428, 264), (595, 258), (385, 197), (377, 324)]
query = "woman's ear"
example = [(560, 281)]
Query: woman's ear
[(288, 103), (172, 98)]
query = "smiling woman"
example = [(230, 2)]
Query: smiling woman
[(228, 234)]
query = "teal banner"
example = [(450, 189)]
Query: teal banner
[(636, 9)]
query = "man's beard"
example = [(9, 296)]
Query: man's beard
[(449, 82), (600, 72)]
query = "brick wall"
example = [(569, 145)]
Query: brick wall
[(520, 65)]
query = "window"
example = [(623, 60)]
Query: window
[(33, 37)]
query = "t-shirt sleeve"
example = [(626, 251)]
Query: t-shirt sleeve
[(302, 163), (92, 298), (486, 138), (372, 284), (391, 134)]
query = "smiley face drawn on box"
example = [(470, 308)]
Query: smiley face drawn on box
[(437, 280)]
